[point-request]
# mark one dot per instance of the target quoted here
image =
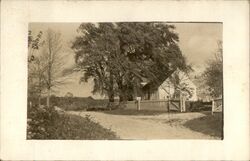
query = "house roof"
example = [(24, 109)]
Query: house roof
[(153, 85)]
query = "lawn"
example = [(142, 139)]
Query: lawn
[(132, 112), (210, 124)]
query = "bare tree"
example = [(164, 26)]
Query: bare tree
[(35, 74), (213, 74), (36, 77), (54, 60), (46, 72)]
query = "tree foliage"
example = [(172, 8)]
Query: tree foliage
[(34, 44), (213, 74), (119, 56)]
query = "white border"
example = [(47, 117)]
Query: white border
[(15, 16)]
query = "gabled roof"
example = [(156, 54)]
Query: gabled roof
[(153, 85)]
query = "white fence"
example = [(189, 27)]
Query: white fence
[(177, 105), (157, 105)]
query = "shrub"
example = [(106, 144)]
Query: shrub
[(40, 122), (198, 106)]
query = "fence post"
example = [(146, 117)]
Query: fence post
[(181, 103), (169, 105), (212, 106), (184, 104), (138, 103)]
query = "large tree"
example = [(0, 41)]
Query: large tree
[(95, 53), (119, 56), (213, 74), (152, 52)]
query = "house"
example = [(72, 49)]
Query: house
[(176, 85)]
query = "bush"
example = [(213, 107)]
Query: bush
[(198, 106), (40, 122), (47, 123), (188, 105)]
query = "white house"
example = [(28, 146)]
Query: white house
[(174, 86)]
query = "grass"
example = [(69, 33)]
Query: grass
[(175, 122), (76, 127), (132, 112), (48, 124), (210, 124)]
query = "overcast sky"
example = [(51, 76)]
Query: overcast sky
[(198, 42)]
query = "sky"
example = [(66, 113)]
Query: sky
[(198, 42)]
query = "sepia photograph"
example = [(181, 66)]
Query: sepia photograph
[(125, 81)]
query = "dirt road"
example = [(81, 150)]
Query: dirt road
[(163, 126)]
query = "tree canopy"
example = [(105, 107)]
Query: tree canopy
[(120, 56)]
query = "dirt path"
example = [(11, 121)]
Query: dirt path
[(164, 126)]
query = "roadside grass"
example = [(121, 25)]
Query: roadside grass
[(210, 124), (74, 127), (47, 124), (135, 112)]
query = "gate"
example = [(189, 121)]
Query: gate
[(217, 105), (177, 105), (174, 105)]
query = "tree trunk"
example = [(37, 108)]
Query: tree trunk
[(111, 93), (122, 94), (111, 103), (122, 100), (48, 98)]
